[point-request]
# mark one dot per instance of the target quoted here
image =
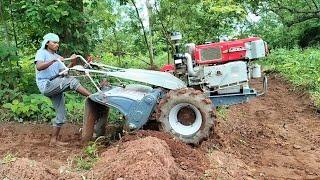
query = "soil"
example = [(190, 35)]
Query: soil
[(275, 136)]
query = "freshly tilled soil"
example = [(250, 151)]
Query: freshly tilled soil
[(275, 136)]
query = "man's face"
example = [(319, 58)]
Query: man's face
[(53, 45)]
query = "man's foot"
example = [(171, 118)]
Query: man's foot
[(54, 142)]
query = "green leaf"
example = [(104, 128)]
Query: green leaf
[(65, 13), (15, 102), (7, 105)]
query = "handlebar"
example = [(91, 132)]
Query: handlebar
[(82, 58), (81, 69), (67, 69)]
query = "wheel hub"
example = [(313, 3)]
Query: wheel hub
[(185, 119), (186, 116)]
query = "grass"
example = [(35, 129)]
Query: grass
[(8, 158), (301, 67), (221, 112), (90, 157)]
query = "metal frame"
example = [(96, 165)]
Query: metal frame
[(231, 99)]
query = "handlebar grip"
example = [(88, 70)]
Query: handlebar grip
[(82, 59)]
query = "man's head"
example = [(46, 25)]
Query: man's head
[(50, 42)]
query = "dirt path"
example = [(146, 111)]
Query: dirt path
[(272, 137)]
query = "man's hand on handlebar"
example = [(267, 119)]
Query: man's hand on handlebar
[(73, 60)]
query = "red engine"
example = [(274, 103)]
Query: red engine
[(223, 52), (222, 70)]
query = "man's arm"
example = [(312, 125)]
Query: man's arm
[(41, 65), (73, 61), (71, 65)]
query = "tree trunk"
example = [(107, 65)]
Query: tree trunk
[(14, 30), (117, 44), (144, 34), (149, 7), (170, 45), (5, 24)]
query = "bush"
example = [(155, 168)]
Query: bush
[(37, 107), (129, 61), (32, 106)]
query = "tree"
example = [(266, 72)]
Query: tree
[(70, 19), (299, 19), (4, 23), (200, 21), (147, 39)]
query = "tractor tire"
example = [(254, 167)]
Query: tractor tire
[(94, 120), (186, 114)]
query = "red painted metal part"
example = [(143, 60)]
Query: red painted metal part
[(230, 51), (168, 68)]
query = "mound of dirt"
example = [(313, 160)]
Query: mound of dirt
[(31, 141), (27, 169), (193, 162), (23, 168), (146, 158)]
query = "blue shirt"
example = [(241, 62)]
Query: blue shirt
[(43, 76)]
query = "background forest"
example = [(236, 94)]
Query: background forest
[(136, 33)]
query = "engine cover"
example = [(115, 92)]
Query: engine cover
[(224, 52), (226, 75)]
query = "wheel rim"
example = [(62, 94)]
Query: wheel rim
[(185, 119)]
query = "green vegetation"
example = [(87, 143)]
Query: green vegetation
[(300, 67), (222, 112), (8, 158), (90, 156)]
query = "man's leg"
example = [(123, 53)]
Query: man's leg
[(61, 84), (83, 91), (54, 138), (55, 92), (58, 102)]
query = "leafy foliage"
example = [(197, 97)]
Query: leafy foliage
[(30, 107), (221, 112), (301, 67), (39, 108), (70, 19), (90, 157), (298, 21), (200, 21)]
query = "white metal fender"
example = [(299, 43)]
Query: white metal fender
[(156, 78)]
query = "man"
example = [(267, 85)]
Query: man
[(51, 84)]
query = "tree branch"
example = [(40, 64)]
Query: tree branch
[(292, 10), (299, 15), (143, 29), (302, 18), (164, 29), (316, 5)]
